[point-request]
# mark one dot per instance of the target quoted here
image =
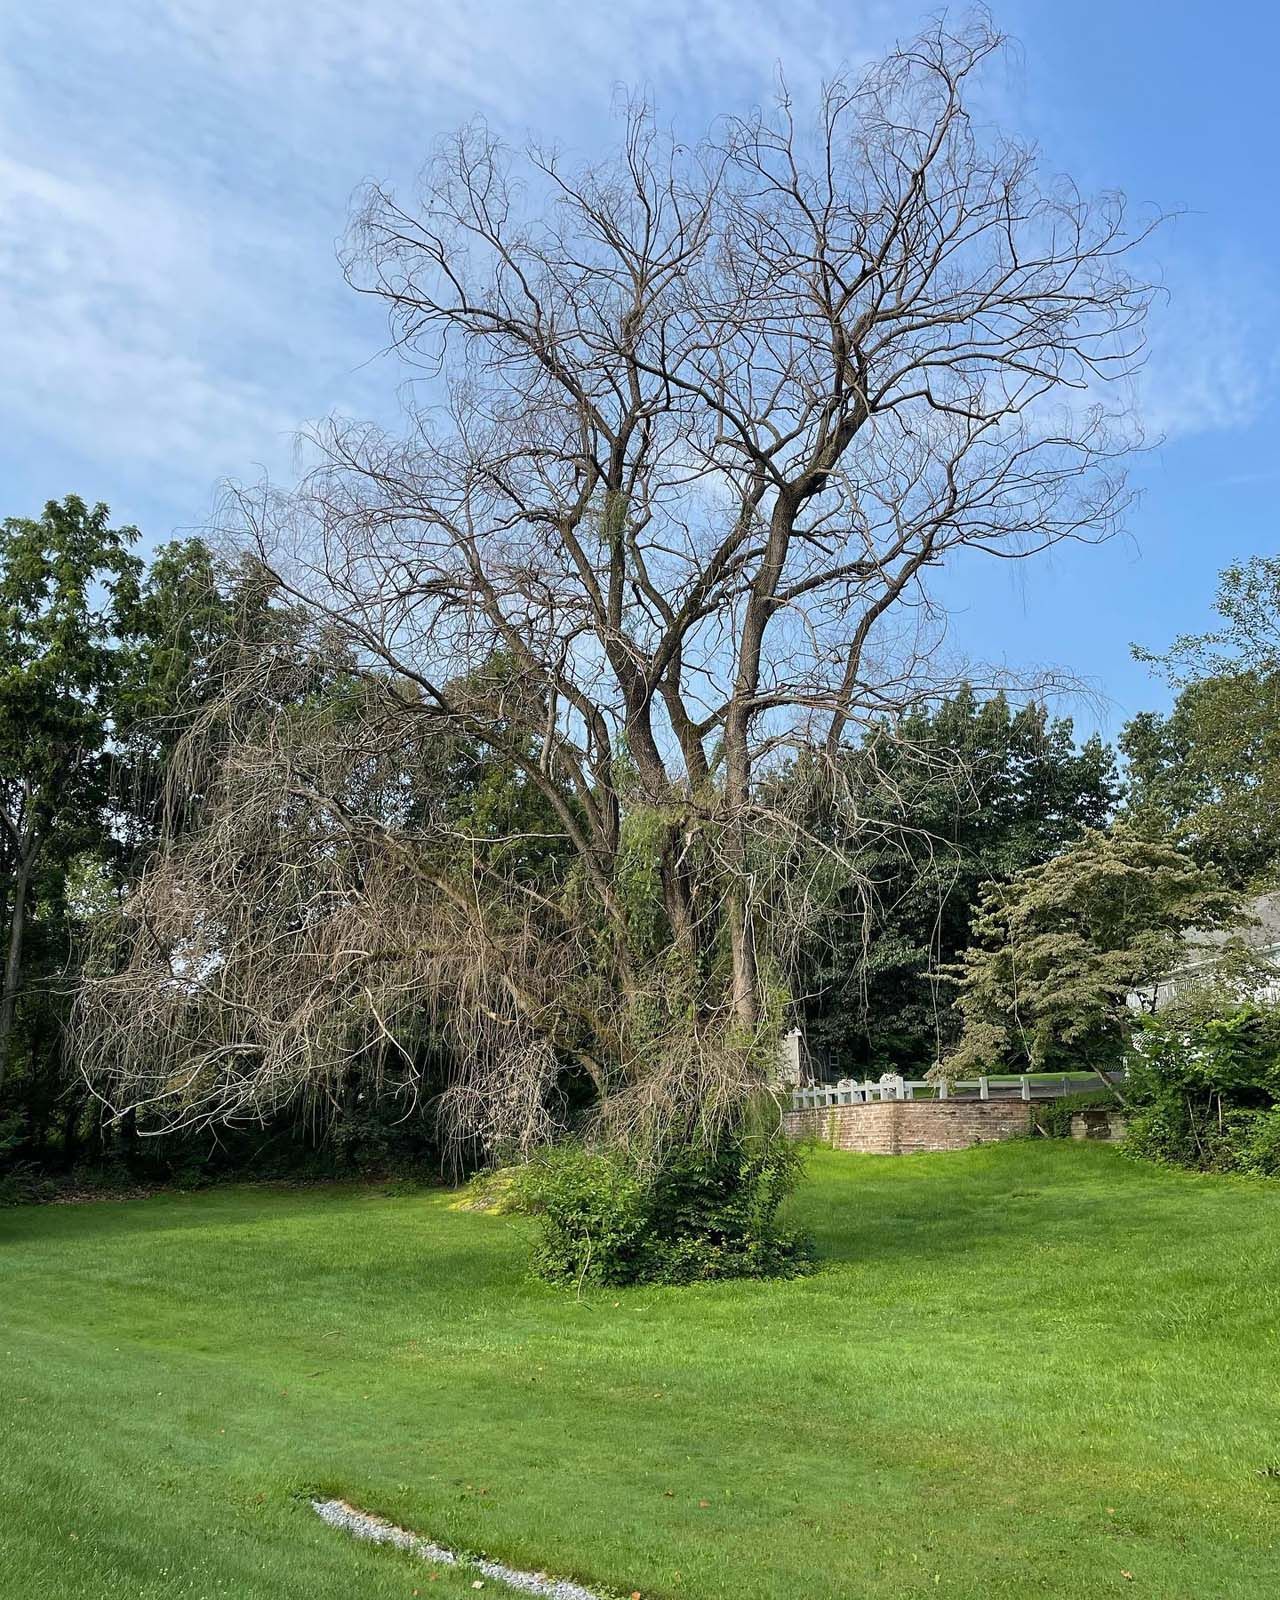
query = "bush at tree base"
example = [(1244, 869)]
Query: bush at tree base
[(706, 1213)]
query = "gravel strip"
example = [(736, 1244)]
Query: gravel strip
[(363, 1525)]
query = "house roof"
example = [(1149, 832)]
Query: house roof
[(1260, 930)]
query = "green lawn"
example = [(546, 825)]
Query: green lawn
[(1026, 1370)]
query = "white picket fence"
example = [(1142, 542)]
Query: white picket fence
[(1040, 1086)]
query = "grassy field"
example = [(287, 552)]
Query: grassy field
[(1029, 1370)]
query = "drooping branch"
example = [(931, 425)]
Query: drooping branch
[(705, 421)]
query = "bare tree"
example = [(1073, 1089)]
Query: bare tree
[(696, 426)]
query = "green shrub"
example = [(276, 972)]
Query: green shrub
[(704, 1214), (1204, 1082), (1260, 1148), (21, 1182), (1053, 1117)]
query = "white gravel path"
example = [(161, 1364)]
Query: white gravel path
[(363, 1525)]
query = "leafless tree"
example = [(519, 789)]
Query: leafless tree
[(693, 428)]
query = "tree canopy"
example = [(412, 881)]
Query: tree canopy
[(68, 611), (1060, 947), (706, 418), (1209, 771)]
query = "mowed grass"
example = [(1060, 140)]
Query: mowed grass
[(1027, 1370)]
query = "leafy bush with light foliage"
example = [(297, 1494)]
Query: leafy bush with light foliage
[(1059, 948), (704, 1214)]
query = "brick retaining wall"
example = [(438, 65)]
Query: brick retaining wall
[(900, 1127)]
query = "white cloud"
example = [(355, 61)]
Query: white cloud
[(519, 61), (106, 290), (173, 174), (1214, 360)]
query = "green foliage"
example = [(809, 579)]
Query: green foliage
[(1053, 1117), (369, 1135), (645, 837), (1059, 949), (593, 1213), (1259, 1149), (704, 1214), (68, 593), (68, 605), (374, 1137), (488, 796), (21, 1182), (1209, 771), (944, 801), (68, 610), (102, 662), (1248, 637), (1204, 1083)]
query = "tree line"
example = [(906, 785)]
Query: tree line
[(114, 729), (528, 769)]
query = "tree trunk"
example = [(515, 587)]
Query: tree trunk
[(13, 959), (760, 607), (746, 999), (71, 1132)]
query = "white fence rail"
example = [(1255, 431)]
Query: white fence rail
[(1037, 1086)]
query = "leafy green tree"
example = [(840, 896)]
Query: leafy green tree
[(185, 619), (1248, 637), (121, 661), (1059, 949), (971, 790), (105, 661), (68, 606), (1209, 771)]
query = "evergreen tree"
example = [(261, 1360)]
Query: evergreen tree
[(68, 608)]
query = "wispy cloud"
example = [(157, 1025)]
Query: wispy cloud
[(173, 177), (518, 61), (1214, 361), (102, 323), (173, 174)]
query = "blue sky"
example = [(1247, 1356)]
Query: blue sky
[(174, 175)]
